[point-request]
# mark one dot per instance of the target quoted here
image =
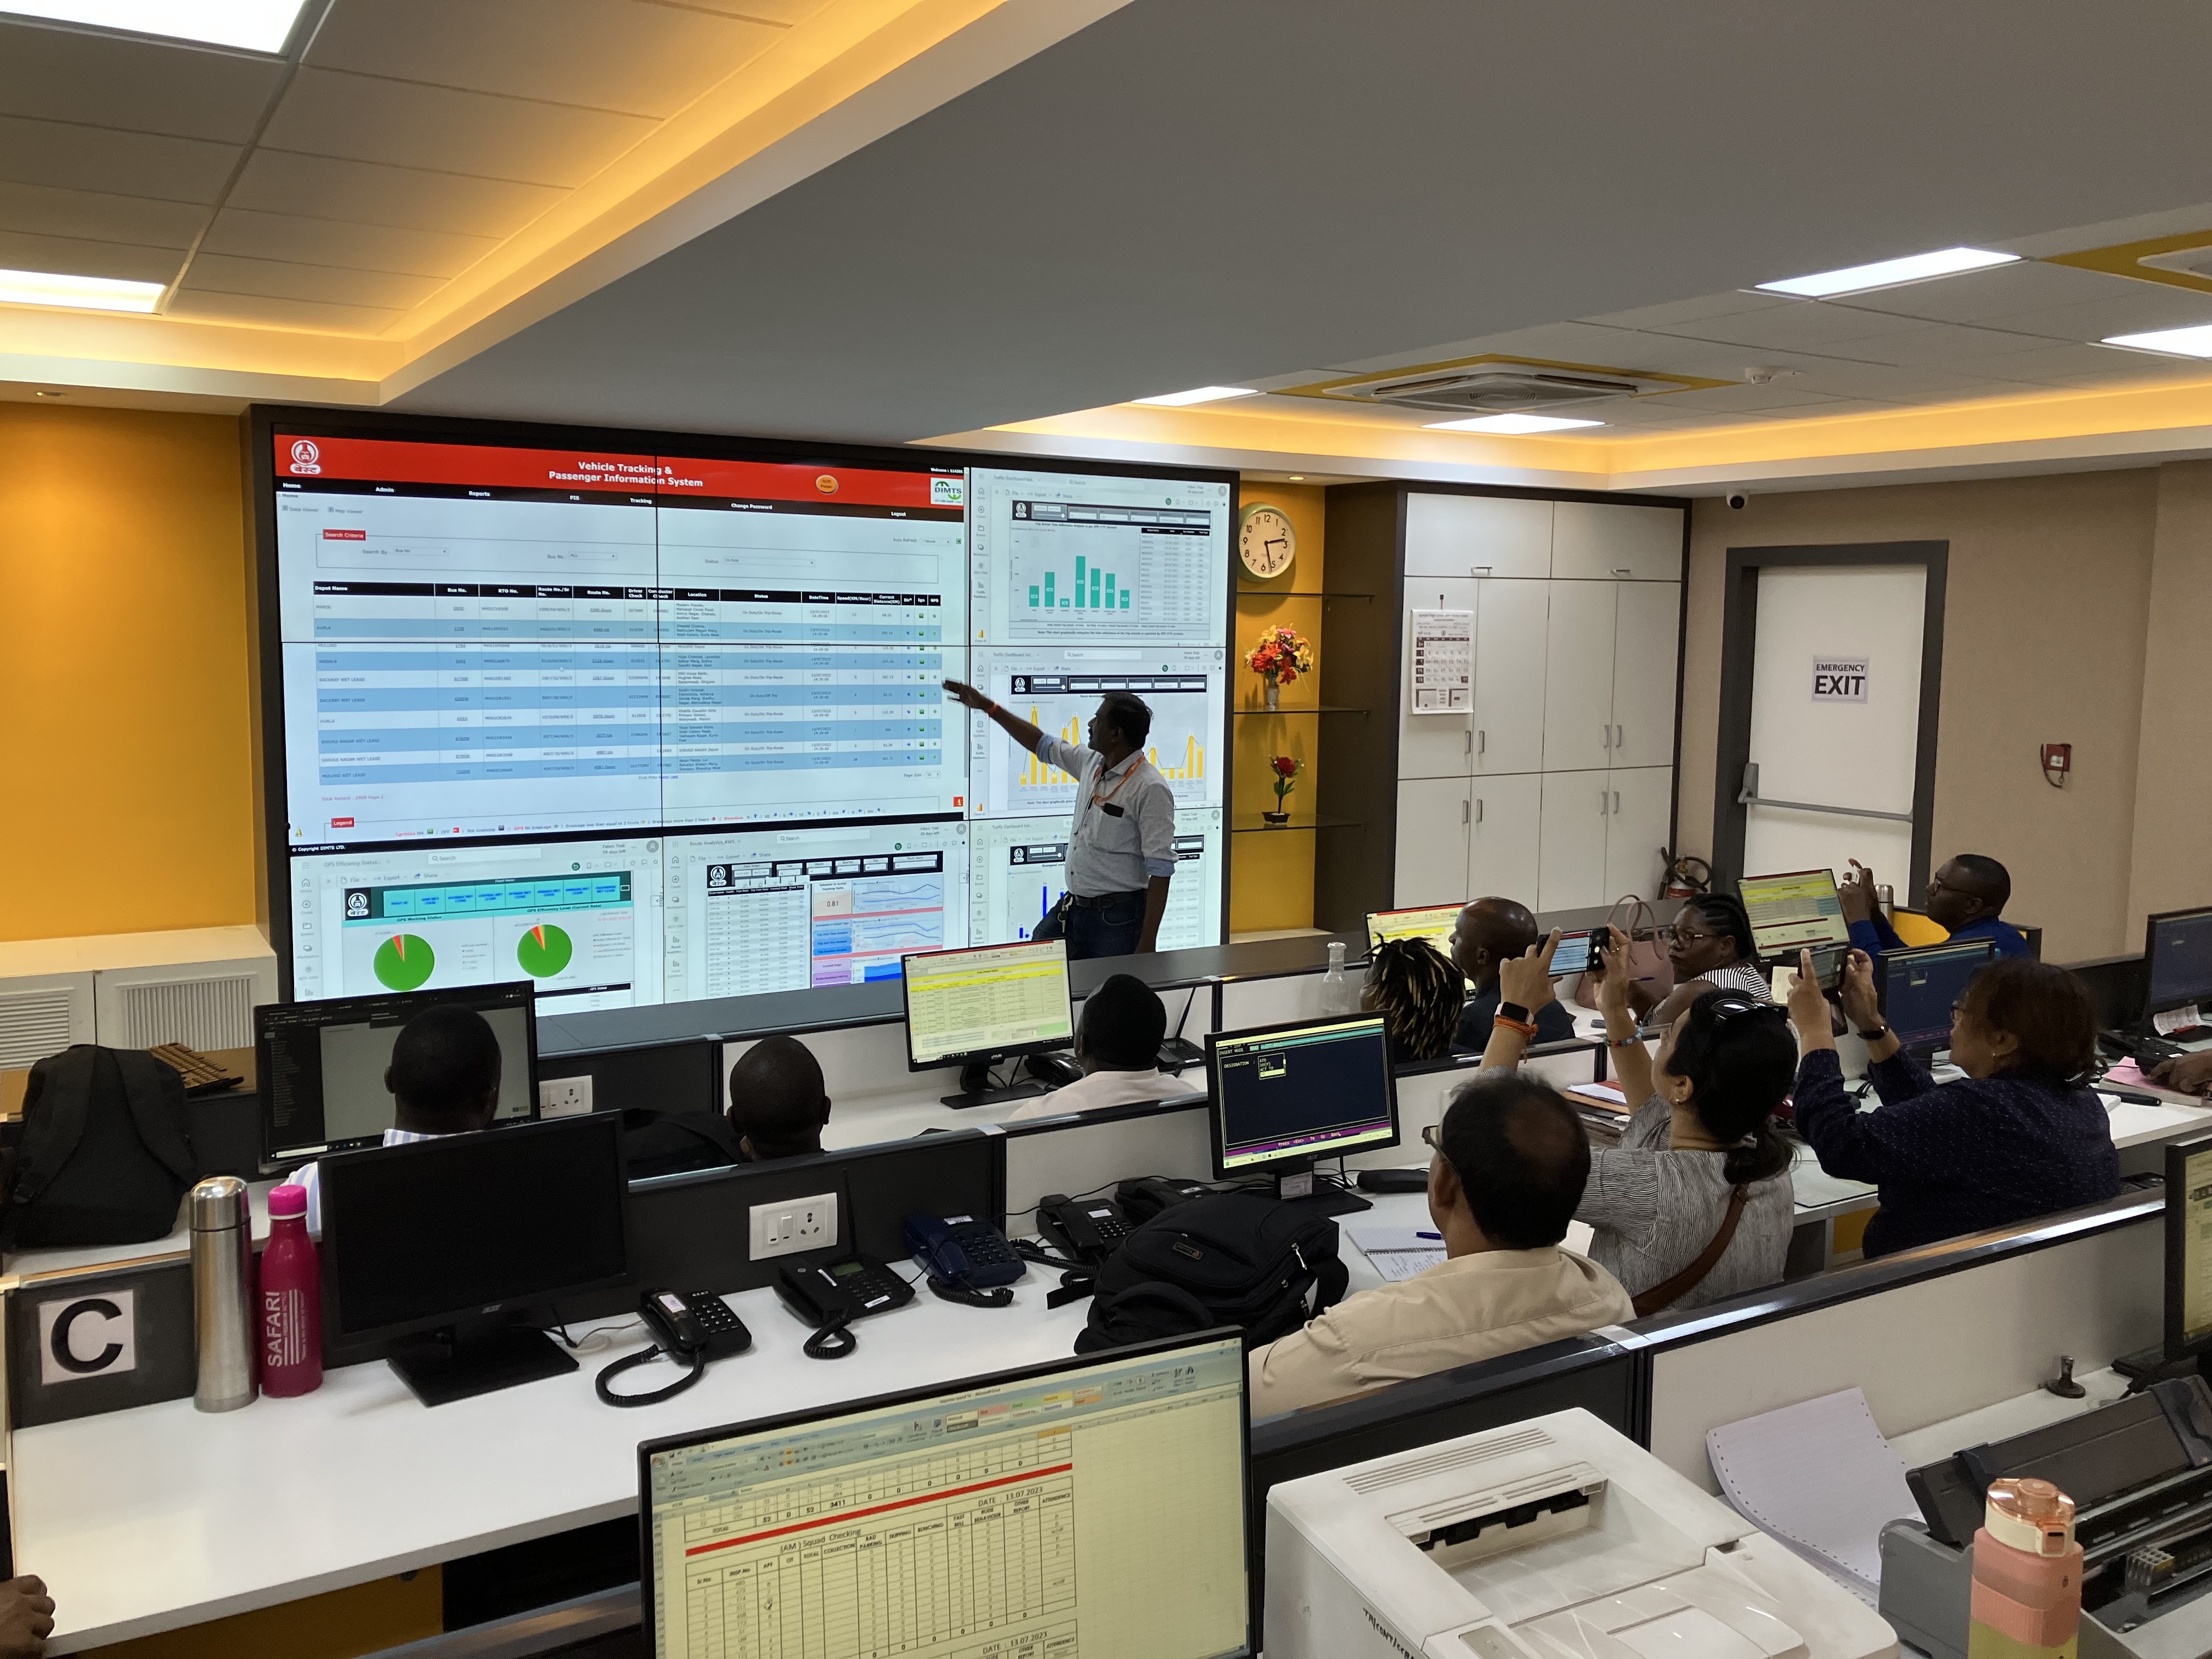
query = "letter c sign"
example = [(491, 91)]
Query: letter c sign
[(87, 1336)]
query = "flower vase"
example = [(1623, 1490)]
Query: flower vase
[(1275, 820), (1274, 697)]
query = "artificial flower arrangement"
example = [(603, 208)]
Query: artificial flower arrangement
[(1286, 768), (1281, 655)]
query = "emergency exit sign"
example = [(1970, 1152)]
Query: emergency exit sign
[(1839, 679)]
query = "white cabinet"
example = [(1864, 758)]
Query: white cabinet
[(1647, 631), (1505, 840), (1478, 536), (1433, 745), (1434, 820), (1576, 809), (1641, 799), (1592, 541), (1509, 651), (1578, 677)]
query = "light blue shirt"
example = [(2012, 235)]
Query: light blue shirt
[(1115, 852)]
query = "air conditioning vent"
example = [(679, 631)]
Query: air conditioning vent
[(200, 1013), (1499, 389), (33, 1024)]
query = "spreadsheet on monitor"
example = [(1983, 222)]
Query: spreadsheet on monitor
[(1094, 1509), (1789, 912), (987, 999)]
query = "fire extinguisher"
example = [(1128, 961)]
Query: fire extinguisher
[(1687, 875)]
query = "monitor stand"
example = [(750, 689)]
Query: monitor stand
[(975, 1089), (1302, 1188), (477, 1355)]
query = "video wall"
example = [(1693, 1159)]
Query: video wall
[(650, 728)]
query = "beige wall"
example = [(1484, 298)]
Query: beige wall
[(2051, 583), (2173, 866)]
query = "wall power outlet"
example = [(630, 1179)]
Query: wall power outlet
[(793, 1225), (564, 1096)]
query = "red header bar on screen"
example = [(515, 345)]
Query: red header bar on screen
[(386, 460), (766, 481)]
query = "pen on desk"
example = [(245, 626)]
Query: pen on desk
[(1422, 1233)]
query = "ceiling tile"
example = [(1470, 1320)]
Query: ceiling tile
[(1935, 345), (1572, 343), (352, 117), (1978, 295), (408, 198), (765, 11), (100, 217), (333, 242), (68, 156), (2054, 364), (75, 257), (102, 80), (1807, 323), (603, 54), (1746, 399), (280, 313), (1690, 311), (227, 273), (2134, 308)]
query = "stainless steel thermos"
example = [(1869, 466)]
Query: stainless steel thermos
[(222, 1294)]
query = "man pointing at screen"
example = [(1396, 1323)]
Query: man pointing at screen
[(1120, 851)]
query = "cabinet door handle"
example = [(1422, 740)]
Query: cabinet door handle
[(1600, 800), (1478, 809), (1469, 735), (1605, 734), (1623, 570), (1621, 737), (1616, 801), (1462, 811), (1481, 741), (1477, 569)]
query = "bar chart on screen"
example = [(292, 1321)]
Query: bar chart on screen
[(1058, 692)]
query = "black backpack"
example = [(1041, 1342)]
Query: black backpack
[(1226, 1259), (105, 1155)]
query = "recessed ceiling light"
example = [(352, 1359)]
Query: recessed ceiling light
[(1889, 273), (44, 287), (1198, 394), (42, 392), (1510, 423), (2174, 342), (1296, 478), (255, 25)]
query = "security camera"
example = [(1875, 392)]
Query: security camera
[(1737, 499)]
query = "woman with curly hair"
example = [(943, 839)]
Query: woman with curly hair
[(1418, 991)]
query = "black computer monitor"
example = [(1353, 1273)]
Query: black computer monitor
[(2188, 1247), (321, 1065), (974, 1007), (1919, 987), (1798, 910), (1097, 1504), (462, 1235), (1282, 1095), (2178, 960)]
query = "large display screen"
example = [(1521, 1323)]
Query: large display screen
[(646, 727)]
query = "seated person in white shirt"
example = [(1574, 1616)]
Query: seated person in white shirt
[(778, 1104), (1510, 1162), (1117, 1043), (443, 1079)]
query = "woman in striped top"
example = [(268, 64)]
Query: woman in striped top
[(1711, 949)]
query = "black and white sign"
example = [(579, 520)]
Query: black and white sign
[(1443, 661), (1839, 679), (83, 1336)]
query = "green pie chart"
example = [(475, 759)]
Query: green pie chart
[(543, 951), (404, 962)]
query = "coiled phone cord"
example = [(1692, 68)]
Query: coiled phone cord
[(600, 1384), (831, 1339)]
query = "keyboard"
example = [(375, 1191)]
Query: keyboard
[(202, 1076), (2145, 1051)]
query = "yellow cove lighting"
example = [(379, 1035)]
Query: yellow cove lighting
[(1197, 394), (1888, 273), (2175, 342), (1515, 424), (44, 287), (254, 25)]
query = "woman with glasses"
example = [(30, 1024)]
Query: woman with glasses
[(1695, 1203), (2020, 1135), (1710, 949)]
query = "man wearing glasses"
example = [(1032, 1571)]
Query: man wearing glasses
[(1964, 899)]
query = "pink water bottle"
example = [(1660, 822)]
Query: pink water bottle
[(291, 1299)]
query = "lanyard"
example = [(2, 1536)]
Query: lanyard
[(1135, 761)]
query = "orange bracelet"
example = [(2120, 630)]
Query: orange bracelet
[(1527, 1028)]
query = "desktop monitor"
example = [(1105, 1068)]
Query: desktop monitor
[(1282, 1095), (2188, 1247), (1920, 987), (992, 1002), (321, 1064), (461, 1233), (2177, 956), (1433, 922), (1798, 910), (1095, 1505)]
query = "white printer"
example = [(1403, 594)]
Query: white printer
[(1557, 1538)]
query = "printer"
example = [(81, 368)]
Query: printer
[(2140, 1473), (1556, 1538)]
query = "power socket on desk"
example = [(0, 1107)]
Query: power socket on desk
[(793, 1225)]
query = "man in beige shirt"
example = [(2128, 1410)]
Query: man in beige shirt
[(1510, 1162)]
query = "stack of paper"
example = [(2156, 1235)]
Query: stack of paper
[(1820, 1478), (1397, 1253)]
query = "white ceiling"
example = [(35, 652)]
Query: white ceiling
[(1196, 194)]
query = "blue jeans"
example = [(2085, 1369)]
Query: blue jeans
[(1098, 930)]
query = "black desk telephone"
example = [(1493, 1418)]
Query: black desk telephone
[(830, 1292), (968, 1261), (693, 1329), (1090, 1229)]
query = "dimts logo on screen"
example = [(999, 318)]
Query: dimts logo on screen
[(305, 455), (87, 1336), (827, 484)]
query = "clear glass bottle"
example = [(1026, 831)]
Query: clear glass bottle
[(1339, 992)]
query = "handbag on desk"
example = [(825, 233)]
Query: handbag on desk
[(1648, 962)]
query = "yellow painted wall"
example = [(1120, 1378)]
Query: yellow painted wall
[(342, 1625), (1271, 873), (124, 725)]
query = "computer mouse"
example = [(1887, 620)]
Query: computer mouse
[(1058, 1070)]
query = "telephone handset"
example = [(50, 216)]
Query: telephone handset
[(694, 1329), (968, 1261), (1090, 1229), (830, 1292)]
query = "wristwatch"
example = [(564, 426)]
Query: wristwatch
[(1875, 1035)]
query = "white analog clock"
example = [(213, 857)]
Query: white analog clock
[(1266, 541)]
